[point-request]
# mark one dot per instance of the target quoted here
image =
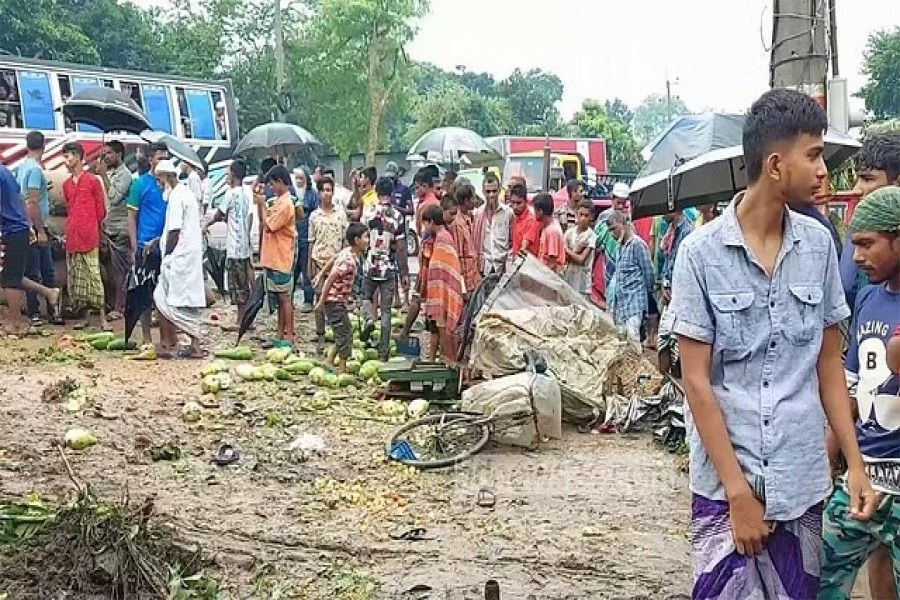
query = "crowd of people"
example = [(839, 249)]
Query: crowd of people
[(790, 499)]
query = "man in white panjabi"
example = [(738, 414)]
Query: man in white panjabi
[(180, 294)]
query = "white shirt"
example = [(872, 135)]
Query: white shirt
[(206, 192), (184, 266), (236, 207), (341, 197), (196, 185)]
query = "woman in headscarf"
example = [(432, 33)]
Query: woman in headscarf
[(307, 201)]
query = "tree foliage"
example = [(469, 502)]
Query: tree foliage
[(654, 114), (612, 122), (347, 75), (881, 63)]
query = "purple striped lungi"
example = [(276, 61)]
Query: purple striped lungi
[(787, 569)]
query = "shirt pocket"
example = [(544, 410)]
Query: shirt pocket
[(732, 315), (803, 313)]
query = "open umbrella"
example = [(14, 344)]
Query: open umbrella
[(254, 305), (452, 144), (107, 109), (278, 139), (177, 148), (713, 177), (690, 136)]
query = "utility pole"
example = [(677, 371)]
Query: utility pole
[(799, 56), (279, 60), (669, 84), (832, 38)]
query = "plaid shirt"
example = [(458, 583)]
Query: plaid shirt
[(633, 280)]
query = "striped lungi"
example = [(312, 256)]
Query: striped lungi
[(85, 285)]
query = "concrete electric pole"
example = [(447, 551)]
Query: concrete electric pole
[(799, 56), (279, 60)]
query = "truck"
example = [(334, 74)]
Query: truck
[(593, 150)]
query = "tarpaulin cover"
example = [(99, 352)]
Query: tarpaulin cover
[(532, 308)]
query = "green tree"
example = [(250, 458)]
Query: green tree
[(881, 64), (42, 29), (595, 120), (654, 114), (359, 49), (452, 104), (533, 96)]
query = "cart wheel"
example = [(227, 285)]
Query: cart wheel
[(440, 440)]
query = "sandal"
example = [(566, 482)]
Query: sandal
[(486, 498), (226, 455), (416, 534)]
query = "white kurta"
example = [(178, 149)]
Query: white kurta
[(184, 266)]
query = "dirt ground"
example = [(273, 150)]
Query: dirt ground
[(588, 516)]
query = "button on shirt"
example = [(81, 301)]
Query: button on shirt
[(765, 335)]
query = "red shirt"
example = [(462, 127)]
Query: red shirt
[(525, 227), (552, 251), (85, 211), (424, 203)]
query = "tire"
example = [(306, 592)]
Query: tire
[(412, 243), (429, 420)]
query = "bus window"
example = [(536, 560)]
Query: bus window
[(10, 109), (221, 115), (65, 92), (79, 84), (183, 114), (132, 90), (156, 106), (36, 101), (200, 110), (107, 83)]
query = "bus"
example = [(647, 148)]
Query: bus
[(32, 93)]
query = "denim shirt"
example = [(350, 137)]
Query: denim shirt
[(765, 335)]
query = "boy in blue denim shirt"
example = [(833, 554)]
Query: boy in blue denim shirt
[(756, 299)]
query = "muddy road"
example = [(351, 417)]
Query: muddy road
[(588, 516)]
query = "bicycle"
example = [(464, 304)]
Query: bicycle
[(453, 437)]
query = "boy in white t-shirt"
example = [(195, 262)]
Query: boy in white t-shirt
[(235, 208)]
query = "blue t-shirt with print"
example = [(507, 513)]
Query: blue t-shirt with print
[(30, 176), (12, 210), (875, 319)]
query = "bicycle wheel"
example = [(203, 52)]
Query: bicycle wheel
[(440, 440)]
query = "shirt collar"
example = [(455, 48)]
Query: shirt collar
[(731, 230)]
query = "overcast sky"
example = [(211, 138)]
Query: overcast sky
[(603, 49)]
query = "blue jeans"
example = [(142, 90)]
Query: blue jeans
[(301, 273), (40, 270)]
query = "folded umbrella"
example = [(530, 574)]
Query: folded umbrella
[(215, 266), (254, 305), (139, 297)]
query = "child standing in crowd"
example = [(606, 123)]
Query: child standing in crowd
[(278, 246), (580, 241), (337, 292), (235, 208), (551, 246), (85, 210), (327, 232), (458, 208), (380, 275), (525, 228), (445, 288), (875, 232)]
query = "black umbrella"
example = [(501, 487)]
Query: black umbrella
[(257, 299), (278, 139), (215, 266), (139, 298), (107, 109)]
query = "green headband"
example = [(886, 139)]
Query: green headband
[(879, 211)]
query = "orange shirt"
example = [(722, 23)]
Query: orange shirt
[(279, 236), (552, 246), (525, 227)]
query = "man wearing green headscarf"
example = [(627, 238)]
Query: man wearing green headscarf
[(875, 233)]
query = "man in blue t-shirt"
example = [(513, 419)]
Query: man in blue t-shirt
[(875, 234), (146, 220), (34, 191), (16, 236)]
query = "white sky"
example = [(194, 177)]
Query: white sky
[(605, 48)]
